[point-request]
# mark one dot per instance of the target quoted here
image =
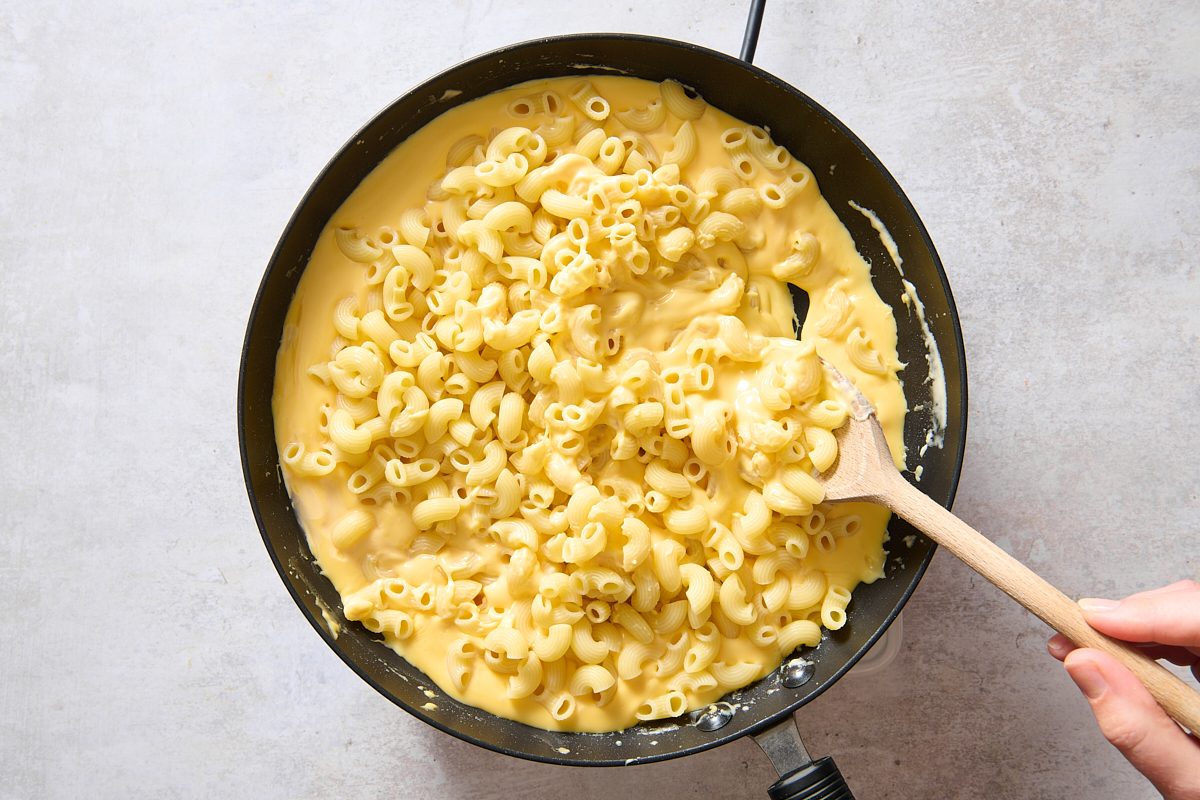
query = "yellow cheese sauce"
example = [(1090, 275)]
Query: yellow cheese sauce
[(718, 290)]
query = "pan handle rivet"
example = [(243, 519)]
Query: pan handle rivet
[(715, 717), (797, 673)]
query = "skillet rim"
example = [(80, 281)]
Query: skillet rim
[(955, 323)]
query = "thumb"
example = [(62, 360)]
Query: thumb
[(1170, 615), (1135, 724)]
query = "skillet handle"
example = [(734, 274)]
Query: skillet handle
[(753, 23), (820, 780)]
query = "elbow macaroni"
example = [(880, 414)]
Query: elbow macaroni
[(546, 422)]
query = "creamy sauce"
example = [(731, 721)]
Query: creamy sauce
[(842, 301), (935, 436), (331, 622)]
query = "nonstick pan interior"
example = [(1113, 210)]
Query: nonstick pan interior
[(846, 171)]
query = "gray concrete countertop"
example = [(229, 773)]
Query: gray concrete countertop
[(151, 154)]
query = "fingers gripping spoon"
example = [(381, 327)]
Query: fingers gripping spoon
[(864, 471)]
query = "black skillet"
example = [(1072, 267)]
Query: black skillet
[(846, 171)]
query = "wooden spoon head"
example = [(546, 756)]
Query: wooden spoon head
[(864, 464)]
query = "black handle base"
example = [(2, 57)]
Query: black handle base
[(820, 780)]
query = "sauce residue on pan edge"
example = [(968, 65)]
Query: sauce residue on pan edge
[(935, 436)]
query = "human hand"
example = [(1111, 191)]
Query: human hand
[(1165, 624)]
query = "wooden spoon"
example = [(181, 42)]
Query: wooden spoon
[(864, 471)]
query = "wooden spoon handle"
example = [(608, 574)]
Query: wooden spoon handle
[(1029, 589)]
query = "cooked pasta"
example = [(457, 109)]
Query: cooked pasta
[(544, 417)]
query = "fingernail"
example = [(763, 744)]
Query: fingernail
[(1058, 648), (1089, 680), (1095, 604)]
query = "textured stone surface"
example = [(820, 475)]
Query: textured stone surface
[(150, 157)]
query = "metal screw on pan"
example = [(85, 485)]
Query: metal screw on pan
[(797, 672), (715, 717)]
